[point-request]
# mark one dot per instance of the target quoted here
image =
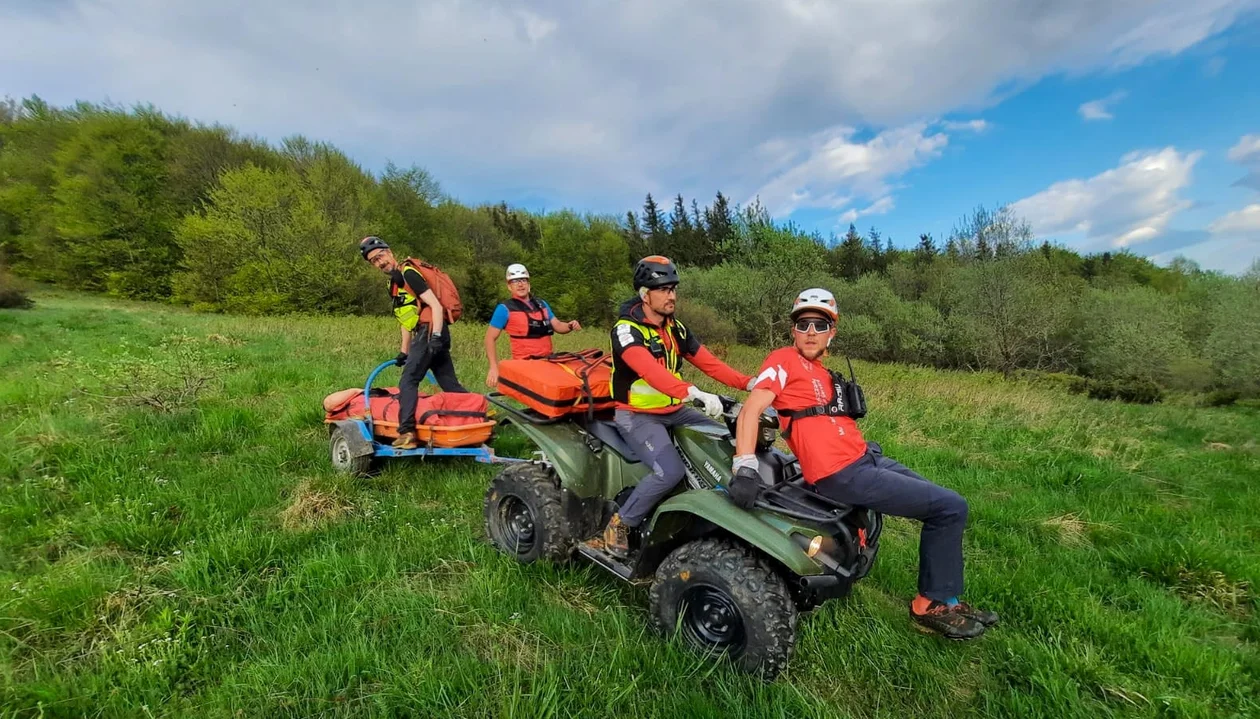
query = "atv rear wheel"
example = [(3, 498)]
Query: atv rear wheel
[(343, 459), (722, 597), (524, 514)]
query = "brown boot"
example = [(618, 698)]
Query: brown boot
[(939, 617), (406, 440), (617, 537)]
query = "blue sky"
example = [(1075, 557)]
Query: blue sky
[(1105, 123)]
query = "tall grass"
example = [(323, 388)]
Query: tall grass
[(177, 549)]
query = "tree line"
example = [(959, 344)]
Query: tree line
[(139, 204)]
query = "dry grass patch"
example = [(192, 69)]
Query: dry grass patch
[(1071, 529), (506, 643), (311, 507)]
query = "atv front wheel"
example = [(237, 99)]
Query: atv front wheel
[(725, 598), (524, 514), (343, 458)]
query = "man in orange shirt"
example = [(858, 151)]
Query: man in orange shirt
[(648, 345), (815, 415)]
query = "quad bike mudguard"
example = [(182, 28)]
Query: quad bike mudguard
[(760, 529)]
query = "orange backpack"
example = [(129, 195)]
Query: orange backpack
[(443, 287)]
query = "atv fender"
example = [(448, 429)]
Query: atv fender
[(356, 434), (765, 533)]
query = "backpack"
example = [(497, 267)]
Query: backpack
[(443, 287)]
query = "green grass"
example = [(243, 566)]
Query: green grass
[(201, 559)]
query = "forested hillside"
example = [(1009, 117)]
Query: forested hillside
[(137, 204)]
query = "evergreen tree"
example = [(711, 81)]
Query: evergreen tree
[(655, 233), (681, 235), (852, 254), (926, 250), (719, 225), (878, 261), (635, 241)]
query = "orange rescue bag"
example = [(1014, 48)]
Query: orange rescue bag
[(563, 383)]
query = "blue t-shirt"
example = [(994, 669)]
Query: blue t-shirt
[(500, 317)]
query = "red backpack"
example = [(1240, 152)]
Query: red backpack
[(443, 287)]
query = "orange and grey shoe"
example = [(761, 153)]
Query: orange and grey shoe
[(984, 616), (941, 618), (406, 440), (617, 537)]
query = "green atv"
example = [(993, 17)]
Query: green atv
[(730, 581)]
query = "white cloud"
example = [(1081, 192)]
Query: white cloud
[(830, 169), (882, 206), (1124, 206), (1244, 222), (1099, 109), (586, 102), (1247, 150), (976, 126)]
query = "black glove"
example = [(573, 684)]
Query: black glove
[(400, 359), (745, 487), (441, 340)]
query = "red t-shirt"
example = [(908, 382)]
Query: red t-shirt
[(824, 445)]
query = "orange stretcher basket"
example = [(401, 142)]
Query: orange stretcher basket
[(564, 383), (442, 420)]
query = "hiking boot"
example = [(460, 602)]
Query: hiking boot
[(406, 440), (984, 616), (942, 619), (617, 537)]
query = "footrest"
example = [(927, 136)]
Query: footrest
[(605, 560)]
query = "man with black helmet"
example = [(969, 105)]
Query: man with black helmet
[(816, 411), (425, 343), (649, 344)]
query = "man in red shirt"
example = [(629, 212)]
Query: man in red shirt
[(837, 462), (648, 345)]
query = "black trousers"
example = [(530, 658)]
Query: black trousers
[(423, 355), (886, 486)]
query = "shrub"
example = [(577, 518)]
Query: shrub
[(707, 323), (1221, 398), (13, 293), (1134, 389), (1130, 334)]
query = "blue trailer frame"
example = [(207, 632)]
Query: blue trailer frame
[(360, 441)]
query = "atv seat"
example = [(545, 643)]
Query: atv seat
[(608, 433)]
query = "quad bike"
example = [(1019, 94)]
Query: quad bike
[(730, 581)]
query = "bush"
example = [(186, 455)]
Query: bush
[(1233, 347), (1131, 334), (707, 323), (13, 293), (1134, 389), (858, 336), (1221, 398)]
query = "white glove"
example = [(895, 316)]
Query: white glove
[(752, 382), (712, 403), (744, 460)]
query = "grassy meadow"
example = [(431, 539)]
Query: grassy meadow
[(173, 542)]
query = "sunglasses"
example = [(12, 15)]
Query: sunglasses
[(817, 325)]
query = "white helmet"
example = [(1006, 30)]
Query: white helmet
[(816, 298), (517, 272)]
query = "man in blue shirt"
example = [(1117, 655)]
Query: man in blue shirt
[(529, 323)]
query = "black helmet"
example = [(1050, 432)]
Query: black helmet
[(370, 244), (655, 271)]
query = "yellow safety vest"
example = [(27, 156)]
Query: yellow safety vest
[(406, 305), (641, 394)]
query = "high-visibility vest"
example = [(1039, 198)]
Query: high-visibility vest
[(639, 394)]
